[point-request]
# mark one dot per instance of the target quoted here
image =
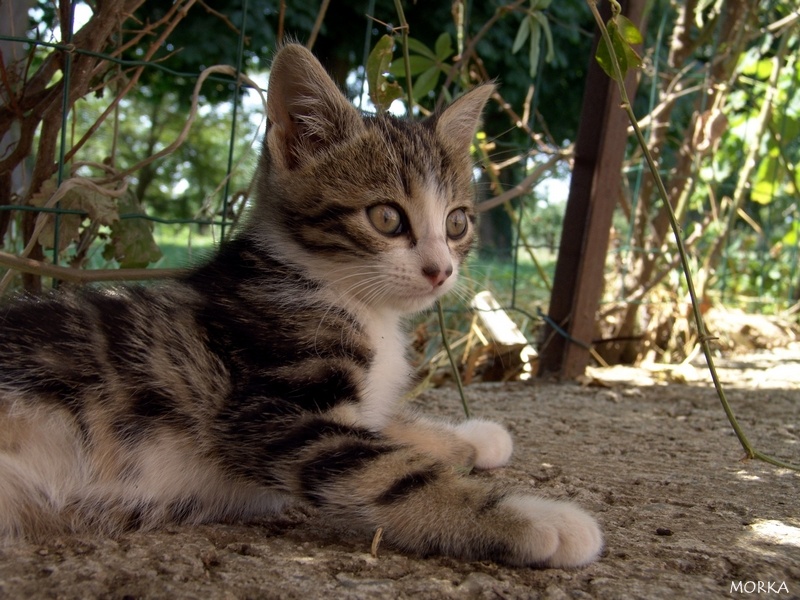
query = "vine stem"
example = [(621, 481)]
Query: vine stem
[(401, 16), (452, 359), (703, 336)]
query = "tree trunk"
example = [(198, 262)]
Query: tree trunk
[(13, 22)]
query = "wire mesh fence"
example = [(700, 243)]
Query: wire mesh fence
[(87, 212)]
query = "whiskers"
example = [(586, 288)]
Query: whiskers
[(355, 286), (465, 288), (364, 283), (358, 290)]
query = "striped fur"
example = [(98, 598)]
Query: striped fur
[(272, 373)]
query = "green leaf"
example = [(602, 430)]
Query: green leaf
[(787, 124), (415, 45), (131, 241), (764, 69), (443, 47), (535, 46), (417, 64), (792, 237), (382, 92), (548, 35), (603, 58), (758, 69), (426, 82), (763, 192), (522, 35), (379, 59), (768, 179), (628, 30), (621, 40)]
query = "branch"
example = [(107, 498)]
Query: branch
[(473, 42), (317, 24), (36, 267), (525, 185), (223, 69), (135, 77)]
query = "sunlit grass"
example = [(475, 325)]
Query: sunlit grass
[(183, 246)]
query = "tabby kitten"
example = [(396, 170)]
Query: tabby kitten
[(273, 373)]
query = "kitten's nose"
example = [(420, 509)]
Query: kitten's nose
[(436, 275)]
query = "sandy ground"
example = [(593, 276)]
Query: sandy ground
[(655, 459)]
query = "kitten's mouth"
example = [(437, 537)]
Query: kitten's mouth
[(419, 300)]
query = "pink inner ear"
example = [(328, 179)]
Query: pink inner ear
[(292, 140), (457, 124), (289, 150), (296, 140)]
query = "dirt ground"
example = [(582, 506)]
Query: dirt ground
[(649, 452)]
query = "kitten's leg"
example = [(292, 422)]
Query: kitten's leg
[(491, 440), (438, 440), (473, 443), (424, 503), (20, 510), (39, 465), (425, 506)]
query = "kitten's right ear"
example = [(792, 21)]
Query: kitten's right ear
[(457, 124), (307, 113)]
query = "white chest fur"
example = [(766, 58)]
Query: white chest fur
[(389, 372)]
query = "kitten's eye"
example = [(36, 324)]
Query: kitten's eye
[(457, 224), (386, 219)]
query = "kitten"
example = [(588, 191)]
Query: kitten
[(273, 373)]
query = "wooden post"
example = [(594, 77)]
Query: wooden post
[(594, 189)]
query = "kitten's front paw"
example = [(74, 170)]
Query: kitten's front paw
[(491, 441), (559, 534)]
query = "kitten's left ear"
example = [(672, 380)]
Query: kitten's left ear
[(456, 126), (306, 111)]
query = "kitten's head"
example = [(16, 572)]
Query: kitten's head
[(378, 208)]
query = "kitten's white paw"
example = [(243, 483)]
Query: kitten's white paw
[(491, 441), (559, 534)]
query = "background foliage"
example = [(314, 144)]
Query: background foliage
[(718, 96)]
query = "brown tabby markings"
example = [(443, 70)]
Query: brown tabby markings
[(273, 373)]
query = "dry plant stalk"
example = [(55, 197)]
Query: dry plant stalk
[(376, 542)]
